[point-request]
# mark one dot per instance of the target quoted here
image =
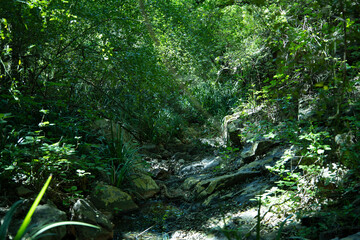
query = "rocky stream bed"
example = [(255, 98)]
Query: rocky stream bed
[(204, 193)]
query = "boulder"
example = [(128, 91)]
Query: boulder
[(345, 139), (46, 214), (144, 185), (234, 132), (206, 187), (205, 164), (307, 108), (23, 191), (231, 130), (257, 148), (352, 237), (110, 199), (190, 182), (233, 124), (83, 211)]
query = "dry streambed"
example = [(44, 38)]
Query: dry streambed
[(204, 195)]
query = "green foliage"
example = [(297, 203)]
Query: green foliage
[(122, 158), (33, 156), (157, 73), (227, 154), (308, 181)]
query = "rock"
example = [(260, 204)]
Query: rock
[(144, 185), (190, 182), (209, 186), (161, 174), (181, 155), (83, 211), (234, 132), (233, 125), (258, 165), (206, 164), (23, 191), (342, 233), (352, 237), (109, 129), (249, 191), (258, 148), (345, 139), (110, 199), (307, 109), (211, 199), (45, 214)]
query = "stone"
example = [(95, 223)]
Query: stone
[(23, 191), (343, 139), (144, 185), (181, 161), (233, 125), (161, 173), (111, 199), (307, 109), (352, 237), (84, 211), (258, 165), (46, 214), (208, 186), (249, 191), (190, 182), (234, 132), (257, 148), (205, 164), (211, 199)]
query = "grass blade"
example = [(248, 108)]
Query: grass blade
[(7, 220), (27, 219), (282, 226), (58, 224)]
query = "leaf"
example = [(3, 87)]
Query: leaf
[(44, 111), (320, 151), (58, 224), (7, 220), (27, 219), (320, 84)]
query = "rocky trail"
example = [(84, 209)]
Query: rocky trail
[(205, 193)]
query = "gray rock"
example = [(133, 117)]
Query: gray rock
[(233, 125), (23, 191), (257, 148), (83, 211), (208, 186), (190, 182), (144, 185), (345, 139), (307, 109), (352, 237), (110, 199), (206, 164), (45, 214)]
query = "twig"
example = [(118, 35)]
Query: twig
[(144, 231)]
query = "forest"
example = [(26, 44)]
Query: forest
[(179, 119)]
